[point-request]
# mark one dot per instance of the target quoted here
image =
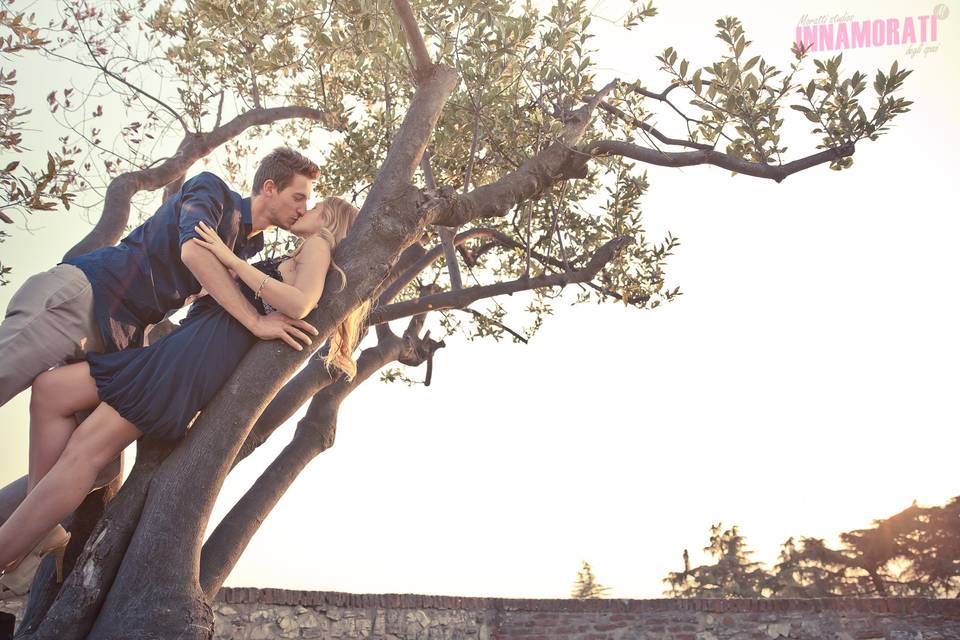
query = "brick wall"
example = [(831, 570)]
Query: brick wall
[(259, 614), (268, 613)]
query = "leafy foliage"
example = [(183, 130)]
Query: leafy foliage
[(913, 553), (24, 190), (586, 585), (732, 575), (187, 68)]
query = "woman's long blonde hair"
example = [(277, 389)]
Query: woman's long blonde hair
[(340, 216)]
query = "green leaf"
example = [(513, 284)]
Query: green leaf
[(808, 112)]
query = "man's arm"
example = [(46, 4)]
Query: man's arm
[(213, 277), (201, 200)]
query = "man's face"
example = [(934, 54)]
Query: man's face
[(289, 204)]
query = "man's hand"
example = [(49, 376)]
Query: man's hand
[(277, 325)]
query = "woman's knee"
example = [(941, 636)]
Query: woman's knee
[(62, 392)]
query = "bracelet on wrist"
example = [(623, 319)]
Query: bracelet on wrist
[(260, 288)]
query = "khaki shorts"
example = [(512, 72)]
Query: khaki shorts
[(49, 322)]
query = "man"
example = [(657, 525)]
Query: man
[(106, 299)]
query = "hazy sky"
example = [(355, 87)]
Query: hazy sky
[(804, 384)]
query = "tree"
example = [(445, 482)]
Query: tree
[(484, 150), (586, 585), (929, 538), (23, 190), (733, 575), (811, 570), (912, 553)]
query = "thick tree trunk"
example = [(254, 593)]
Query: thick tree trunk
[(314, 435), (85, 587), (83, 521)]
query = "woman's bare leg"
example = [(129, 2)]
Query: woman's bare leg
[(56, 396), (97, 441)]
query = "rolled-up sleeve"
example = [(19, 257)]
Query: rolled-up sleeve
[(201, 201)]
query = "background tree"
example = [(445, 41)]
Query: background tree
[(732, 575), (810, 570), (24, 190), (586, 585), (488, 161), (914, 553)]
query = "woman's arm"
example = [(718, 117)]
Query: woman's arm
[(296, 299)]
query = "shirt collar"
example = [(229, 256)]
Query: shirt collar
[(249, 246), (246, 211)]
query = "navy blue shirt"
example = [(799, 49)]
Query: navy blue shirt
[(136, 282)]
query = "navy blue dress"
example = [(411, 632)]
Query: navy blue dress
[(160, 388)]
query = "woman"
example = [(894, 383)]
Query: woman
[(158, 390)]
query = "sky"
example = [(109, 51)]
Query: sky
[(804, 384)]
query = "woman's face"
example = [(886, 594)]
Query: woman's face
[(309, 223)]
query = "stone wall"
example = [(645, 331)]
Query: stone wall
[(258, 614), (276, 613)]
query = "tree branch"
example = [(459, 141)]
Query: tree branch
[(254, 89), (609, 108), (421, 59), (477, 314), (446, 233), (428, 258), (717, 158), (314, 435), (560, 160), (115, 76), (308, 382), (463, 297)]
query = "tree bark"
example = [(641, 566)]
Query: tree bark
[(314, 435), (80, 524), (72, 614)]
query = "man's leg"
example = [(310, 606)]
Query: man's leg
[(49, 321)]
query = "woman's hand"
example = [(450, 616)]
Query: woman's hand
[(214, 244)]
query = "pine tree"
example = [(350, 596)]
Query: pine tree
[(586, 585), (810, 569), (733, 575)]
